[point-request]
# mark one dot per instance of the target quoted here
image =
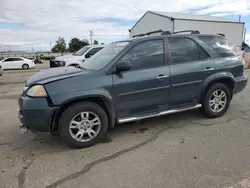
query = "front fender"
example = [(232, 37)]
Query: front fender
[(84, 95), (76, 95)]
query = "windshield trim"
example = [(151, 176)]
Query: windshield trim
[(109, 67), (111, 62)]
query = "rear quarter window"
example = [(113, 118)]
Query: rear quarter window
[(221, 45)]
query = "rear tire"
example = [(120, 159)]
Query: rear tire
[(25, 66), (218, 95), (77, 128)]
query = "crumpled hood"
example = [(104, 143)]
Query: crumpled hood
[(52, 74), (69, 57)]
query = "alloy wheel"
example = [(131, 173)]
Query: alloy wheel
[(85, 126)]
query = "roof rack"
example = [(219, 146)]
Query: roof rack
[(221, 34), (166, 32), (184, 31), (148, 33)]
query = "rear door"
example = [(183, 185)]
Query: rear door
[(17, 62), (146, 86), (190, 66)]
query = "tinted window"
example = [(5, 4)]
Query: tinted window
[(203, 54), (146, 54), (17, 59), (9, 59), (183, 50), (221, 45)]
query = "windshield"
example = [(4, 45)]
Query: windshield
[(82, 51), (104, 56)]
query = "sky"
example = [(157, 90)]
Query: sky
[(38, 23)]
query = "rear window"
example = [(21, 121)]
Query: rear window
[(221, 45)]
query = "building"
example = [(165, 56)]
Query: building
[(154, 20)]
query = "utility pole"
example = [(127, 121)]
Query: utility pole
[(239, 18), (50, 45), (91, 33)]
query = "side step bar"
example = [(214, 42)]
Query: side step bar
[(125, 120)]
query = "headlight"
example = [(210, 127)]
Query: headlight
[(37, 91), (63, 63)]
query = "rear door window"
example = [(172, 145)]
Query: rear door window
[(185, 50), (221, 45), (16, 59)]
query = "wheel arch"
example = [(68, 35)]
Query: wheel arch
[(73, 63), (102, 101), (225, 78)]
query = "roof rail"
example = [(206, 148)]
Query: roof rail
[(184, 31), (221, 34), (167, 32), (148, 33)]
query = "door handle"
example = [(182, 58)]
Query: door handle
[(161, 76), (209, 69)]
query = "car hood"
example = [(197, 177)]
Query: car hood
[(68, 57), (53, 74)]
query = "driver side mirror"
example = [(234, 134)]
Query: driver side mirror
[(122, 66)]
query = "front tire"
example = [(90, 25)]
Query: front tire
[(216, 101), (25, 66), (83, 124)]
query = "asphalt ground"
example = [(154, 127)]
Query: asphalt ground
[(183, 150)]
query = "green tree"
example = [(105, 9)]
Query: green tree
[(75, 44), (96, 42), (60, 45)]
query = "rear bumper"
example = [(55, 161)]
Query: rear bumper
[(240, 83), (35, 113)]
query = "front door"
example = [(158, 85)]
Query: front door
[(190, 66), (146, 86), (8, 63)]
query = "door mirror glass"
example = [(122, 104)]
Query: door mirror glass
[(122, 66)]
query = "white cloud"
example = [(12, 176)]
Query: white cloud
[(47, 19), (231, 7)]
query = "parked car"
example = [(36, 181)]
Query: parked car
[(16, 63), (1, 71), (77, 58), (131, 80)]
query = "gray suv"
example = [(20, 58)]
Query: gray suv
[(130, 80)]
